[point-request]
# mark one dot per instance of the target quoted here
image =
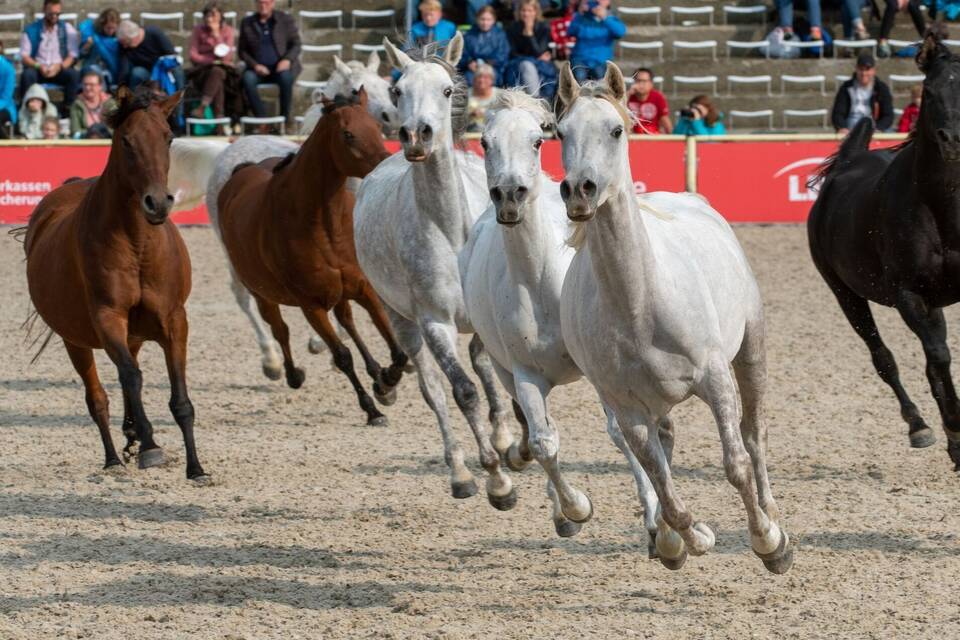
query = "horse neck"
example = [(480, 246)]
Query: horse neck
[(117, 208), (532, 247), (440, 196), (309, 187), (937, 181), (620, 253)]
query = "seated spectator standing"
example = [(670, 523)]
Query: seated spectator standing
[(481, 96), (595, 30), (50, 128), (141, 49), (908, 121), (431, 27), (700, 119), (863, 96), (99, 48), (484, 43), (49, 49), (8, 107), (270, 47), (35, 107), (211, 52), (531, 63), (648, 105), (90, 108)]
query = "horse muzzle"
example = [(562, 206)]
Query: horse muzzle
[(156, 207), (507, 201), (580, 198), (417, 143)]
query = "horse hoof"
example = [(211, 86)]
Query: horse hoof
[(463, 490), (567, 528), (503, 503), (780, 559), (113, 464), (513, 459), (652, 552), (150, 458), (409, 367), (589, 513), (674, 564), (315, 345), (922, 438), (295, 378), (201, 480), (386, 399), (273, 373), (378, 421)]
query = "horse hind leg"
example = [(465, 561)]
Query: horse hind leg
[(502, 437), (645, 490), (385, 395), (271, 314), (97, 402), (270, 353), (399, 361)]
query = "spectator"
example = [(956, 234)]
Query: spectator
[(863, 96), (141, 48), (270, 46), (648, 105), (595, 30), (50, 128), (431, 27), (48, 49), (785, 12), (99, 47), (908, 121), (484, 43), (8, 107), (701, 119), (211, 52), (91, 106), (890, 15), (481, 96), (36, 106), (853, 26), (531, 63)]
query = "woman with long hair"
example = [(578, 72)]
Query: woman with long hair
[(701, 118), (212, 54)]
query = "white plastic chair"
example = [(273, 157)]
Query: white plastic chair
[(640, 11), (854, 45), (246, 121), (321, 15), (365, 49), (908, 79), (730, 10), (749, 80), (696, 45), (691, 11), (641, 46), (322, 49), (805, 113), (820, 79), (19, 18), (373, 15), (173, 16), (762, 113), (743, 45), (693, 80)]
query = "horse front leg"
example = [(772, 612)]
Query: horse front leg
[(440, 338), (399, 362), (645, 490), (112, 329), (384, 395), (482, 365), (281, 332), (175, 353), (928, 324)]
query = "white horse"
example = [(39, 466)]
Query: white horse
[(346, 79), (512, 268), (412, 217), (655, 309)]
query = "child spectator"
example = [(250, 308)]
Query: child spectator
[(50, 128), (648, 105), (99, 47), (908, 121), (484, 43), (701, 119), (482, 95), (8, 108), (596, 31), (431, 27), (91, 106), (35, 107), (531, 63)]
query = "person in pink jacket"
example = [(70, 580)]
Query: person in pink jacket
[(212, 54)]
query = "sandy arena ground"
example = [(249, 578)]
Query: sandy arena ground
[(317, 526)]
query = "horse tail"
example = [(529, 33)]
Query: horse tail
[(30, 324), (857, 141), (192, 162)]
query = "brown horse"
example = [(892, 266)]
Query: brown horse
[(108, 270), (287, 226)]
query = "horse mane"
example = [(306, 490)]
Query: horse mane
[(287, 159), (338, 102), (857, 140), (459, 117), (517, 98), (142, 98)]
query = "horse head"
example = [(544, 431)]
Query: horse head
[(347, 79), (511, 143), (427, 95), (940, 111), (352, 135), (593, 128), (142, 138)]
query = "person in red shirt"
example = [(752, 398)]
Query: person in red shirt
[(912, 112), (648, 105)]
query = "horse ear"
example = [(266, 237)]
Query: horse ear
[(168, 105), (454, 50), (362, 96), (569, 88), (124, 94), (613, 78), (397, 59), (930, 49), (341, 67), (373, 62)]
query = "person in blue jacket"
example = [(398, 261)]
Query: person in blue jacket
[(596, 31), (99, 47), (431, 27), (701, 119), (485, 42), (8, 83)]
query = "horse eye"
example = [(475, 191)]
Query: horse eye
[(447, 92), (616, 133), (538, 144), (355, 92), (483, 143), (348, 136)]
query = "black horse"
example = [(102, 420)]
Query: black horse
[(886, 228)]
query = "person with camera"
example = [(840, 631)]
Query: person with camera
[(595, 30), (700, 118)]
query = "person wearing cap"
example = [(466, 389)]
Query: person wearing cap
[(864, 95), (431, 26)]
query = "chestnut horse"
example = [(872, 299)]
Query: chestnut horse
[(108, 270), (287, 226)]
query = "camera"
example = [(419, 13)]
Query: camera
[(687, 113)]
